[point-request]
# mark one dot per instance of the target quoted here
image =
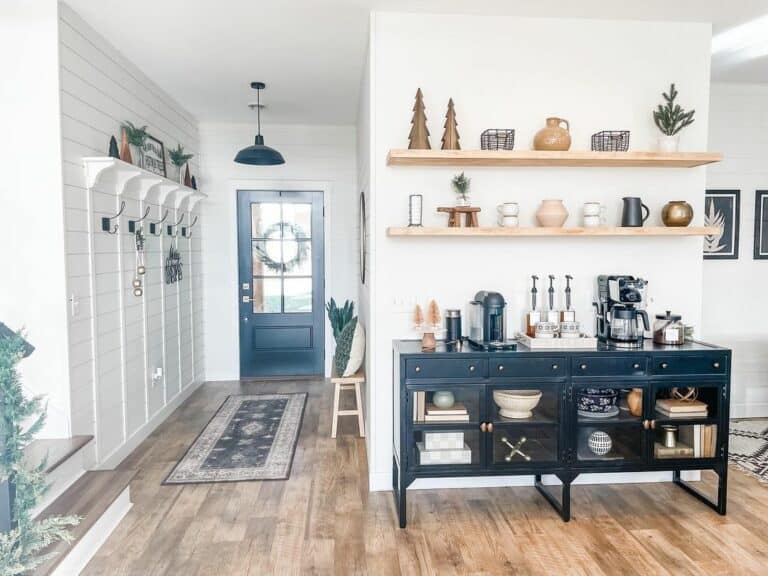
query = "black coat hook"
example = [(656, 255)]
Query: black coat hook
[(186, 231), (106, 222), (153, 225), (132, 223), (172, 226)]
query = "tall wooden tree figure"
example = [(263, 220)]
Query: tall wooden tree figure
[(418, 139), (450, 134)]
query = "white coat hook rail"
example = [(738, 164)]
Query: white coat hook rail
[(106, 221), (153, 226), (173, 229), (132, 223), (185, 231)]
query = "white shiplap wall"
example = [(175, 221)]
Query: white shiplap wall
[(116, 339)]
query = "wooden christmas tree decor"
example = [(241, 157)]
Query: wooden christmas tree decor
[(432, 324), (450, 134), (418, 139), (125, 148), (418, 318)]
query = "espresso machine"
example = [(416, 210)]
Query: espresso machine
[(620, 303), (488, 322)]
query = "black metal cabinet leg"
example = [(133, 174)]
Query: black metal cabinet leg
[(722, 489), (563, 507), (399, 489)]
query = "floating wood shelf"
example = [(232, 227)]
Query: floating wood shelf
[(504, 158), (539, 231)]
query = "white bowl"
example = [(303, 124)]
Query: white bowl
[(516, 403)]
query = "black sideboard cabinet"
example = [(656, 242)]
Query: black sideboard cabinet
[(555, 439)]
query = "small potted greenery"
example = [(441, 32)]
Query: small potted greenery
[(461, 187), (136, 138), (179, 159), (671, 119)]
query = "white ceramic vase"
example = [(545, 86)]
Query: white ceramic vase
[(669, 144), (552, 214)]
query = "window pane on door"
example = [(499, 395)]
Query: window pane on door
[(298, 257), (298, 217), (265, 220), (266, 257), (297, 294), (267, 295)]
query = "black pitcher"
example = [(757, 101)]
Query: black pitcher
[(632, 214)]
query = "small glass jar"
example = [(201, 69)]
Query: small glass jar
[(668, 329), (546, 329)]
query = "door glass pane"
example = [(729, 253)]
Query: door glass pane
[(298, 257), (524, 444), (297, 294), (265, 220), (298, 220), (266, 257), (266, 295)]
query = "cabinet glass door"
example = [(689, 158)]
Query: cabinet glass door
[(445, 426), (685, 417), (609, 423)]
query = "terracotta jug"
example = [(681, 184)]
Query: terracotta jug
[(551, 214), (635, 401), (553, 136), (677, 213), (125, 148)]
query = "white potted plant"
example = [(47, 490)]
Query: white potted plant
[(179, 159), (461, 187), (671, 119)]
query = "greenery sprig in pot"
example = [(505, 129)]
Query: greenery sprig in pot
[(136, 137), (22, 548), (670, 118), (461, 187), (179, 159)]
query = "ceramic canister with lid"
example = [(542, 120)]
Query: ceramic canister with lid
[(668, 329)]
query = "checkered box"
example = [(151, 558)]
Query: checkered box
[(444, 440), (443, 457)]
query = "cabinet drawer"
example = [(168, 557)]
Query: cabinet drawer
[(541, 367), (681, 364), (463, 368), (629, 365)]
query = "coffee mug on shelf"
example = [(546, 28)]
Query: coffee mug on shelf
[(508, 209), (508, 221), (594, 215)]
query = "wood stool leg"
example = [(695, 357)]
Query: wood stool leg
[(336, 392), (360, 421), (472, 217), (452, 219)]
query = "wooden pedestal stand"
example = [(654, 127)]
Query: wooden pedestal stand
[(455, 212)]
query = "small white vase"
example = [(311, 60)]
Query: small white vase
[(175, 173), (137, 155), (669, 144), (463, 201), (551, 214)]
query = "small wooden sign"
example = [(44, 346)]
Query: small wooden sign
[(154, 156)]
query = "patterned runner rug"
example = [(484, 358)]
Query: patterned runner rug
[(748, 447), (251, 437)]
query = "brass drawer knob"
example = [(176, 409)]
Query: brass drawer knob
[(555, 366), (653, 424), (583, 366), (715, 365), (636, 366), (664, 365), (418, 368), (483, 426), (471, 368), (501, 368), (646, 424), (489, 427)]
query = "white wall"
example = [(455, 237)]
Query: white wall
[(116, 340), (317, 157), (33, 292), (510, 72), (735, 310)]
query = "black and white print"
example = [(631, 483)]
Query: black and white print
[(761, 225), (721, 210), (251, 437)]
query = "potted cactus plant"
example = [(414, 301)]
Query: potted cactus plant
[(179, 159), (136, 137), (671, 119)]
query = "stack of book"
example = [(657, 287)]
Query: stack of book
[(695, 441), (672, 408), (424, 411)]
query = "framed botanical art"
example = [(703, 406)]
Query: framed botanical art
[(761, 225), (721, 210)]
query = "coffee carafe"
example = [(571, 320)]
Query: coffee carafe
[(619, 310)]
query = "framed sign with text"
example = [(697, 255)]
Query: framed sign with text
[(154, 156)]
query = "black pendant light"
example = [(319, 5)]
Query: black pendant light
[(259, 154)]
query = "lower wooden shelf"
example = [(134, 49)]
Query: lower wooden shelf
[(540, 231)]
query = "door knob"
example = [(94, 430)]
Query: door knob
[(664, 365), (583, 366), (555, 366), (418, 369), (501, 368), (653, 424), (471, 368), (489, 428), (716, 365), (646, 424), (636, 366), (483, 427)]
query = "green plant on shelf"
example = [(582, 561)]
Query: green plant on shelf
[(671, 118), (461, 186), (135, 135), (178, 157)]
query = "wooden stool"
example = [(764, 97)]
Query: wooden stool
[(455, 212), (348, 383)]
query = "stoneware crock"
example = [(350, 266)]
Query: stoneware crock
[(551, 214), (553, 136)]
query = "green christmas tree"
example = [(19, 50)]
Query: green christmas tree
[(21, 548)]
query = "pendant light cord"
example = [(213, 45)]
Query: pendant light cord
[(258, 108)]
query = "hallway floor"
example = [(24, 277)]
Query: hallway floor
[(323, 520)]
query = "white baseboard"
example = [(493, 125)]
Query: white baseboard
[(122, 451), (80, 554)]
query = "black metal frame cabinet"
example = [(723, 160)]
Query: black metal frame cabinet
[(554, 439)]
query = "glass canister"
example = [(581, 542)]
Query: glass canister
[(668, 329), (452, 325)]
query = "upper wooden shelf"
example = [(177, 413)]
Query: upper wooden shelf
[(510, 158), (541, 231)]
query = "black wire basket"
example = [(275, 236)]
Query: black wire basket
[(610, 141), (493, 139)]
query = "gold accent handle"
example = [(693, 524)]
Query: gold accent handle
[(646, 424), (489, 428), (653, 424), (483, 426)]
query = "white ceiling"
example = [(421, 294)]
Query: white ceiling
[(310, 52)]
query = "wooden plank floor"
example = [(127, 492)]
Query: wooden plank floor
[(323, 520)]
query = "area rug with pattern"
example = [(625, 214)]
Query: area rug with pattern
[(748, 447), (251, 437)]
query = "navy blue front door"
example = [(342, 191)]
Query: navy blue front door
[(280, 294)]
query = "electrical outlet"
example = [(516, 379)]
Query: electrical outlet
[(157, 376)]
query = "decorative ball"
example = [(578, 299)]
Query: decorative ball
[(138, 292), (599, 443), (141, 270), (444, 399), (136, 283)]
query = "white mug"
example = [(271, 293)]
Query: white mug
[(508, 209), (593, 209), (508, 221), (593, 221)]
